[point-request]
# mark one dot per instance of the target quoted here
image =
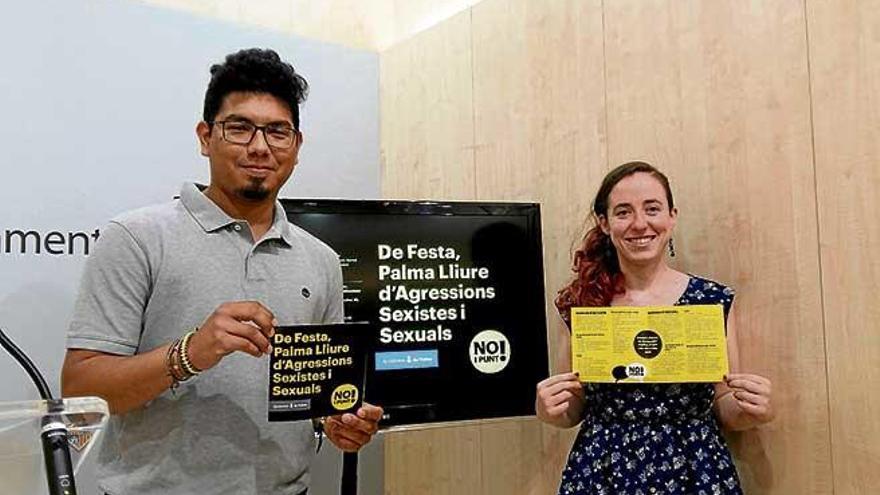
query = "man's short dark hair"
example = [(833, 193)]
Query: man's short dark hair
[(255, 70)]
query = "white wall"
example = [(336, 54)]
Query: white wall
[(99, 100)]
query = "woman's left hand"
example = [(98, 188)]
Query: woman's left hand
[(752, 395)]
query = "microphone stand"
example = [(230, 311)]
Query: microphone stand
[(56, 453)]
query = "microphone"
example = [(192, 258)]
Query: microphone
[(56, 452)]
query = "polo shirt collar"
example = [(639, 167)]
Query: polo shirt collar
[(211, 217), (281, 225)]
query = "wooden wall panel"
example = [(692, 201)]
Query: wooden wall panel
[(717, 94), (845, 68), (540, 127), (427, 152), (426, 126)]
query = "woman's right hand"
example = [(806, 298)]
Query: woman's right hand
[(560, 400)]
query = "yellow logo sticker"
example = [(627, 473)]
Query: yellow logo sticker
[(344, 396)]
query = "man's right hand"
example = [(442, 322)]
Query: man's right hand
[(245, 326)]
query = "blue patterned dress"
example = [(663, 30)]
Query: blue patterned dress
[(653, 439)]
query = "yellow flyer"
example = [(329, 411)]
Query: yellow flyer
[(656, 344)]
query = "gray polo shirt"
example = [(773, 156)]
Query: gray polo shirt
[(155, 274)]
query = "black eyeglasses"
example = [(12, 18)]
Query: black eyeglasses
[(280, 136)]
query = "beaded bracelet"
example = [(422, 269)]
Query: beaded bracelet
[(177, 362), (184, 354), (172, 365)]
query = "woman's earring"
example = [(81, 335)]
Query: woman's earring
[(671, 248)]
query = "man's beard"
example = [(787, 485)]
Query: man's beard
[(255, 191)]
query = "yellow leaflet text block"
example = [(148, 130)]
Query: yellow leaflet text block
[(650, 344)]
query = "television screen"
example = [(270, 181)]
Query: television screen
[(455, 295)]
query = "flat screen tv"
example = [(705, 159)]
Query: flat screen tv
[(455, 295)]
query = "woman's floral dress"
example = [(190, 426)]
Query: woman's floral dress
[(653, 439)]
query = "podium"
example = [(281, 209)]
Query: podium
[(22, 469)]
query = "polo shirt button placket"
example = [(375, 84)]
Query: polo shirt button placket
[(248, 259)]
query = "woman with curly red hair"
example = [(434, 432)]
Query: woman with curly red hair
[(646, 438)]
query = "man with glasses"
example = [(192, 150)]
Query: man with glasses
[(179, 301)]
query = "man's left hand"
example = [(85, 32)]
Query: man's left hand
[(350, 431)]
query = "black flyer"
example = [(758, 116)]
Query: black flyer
[(317, 370)]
